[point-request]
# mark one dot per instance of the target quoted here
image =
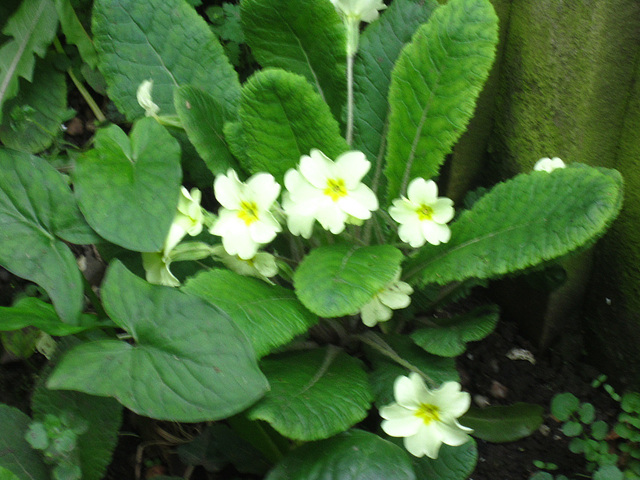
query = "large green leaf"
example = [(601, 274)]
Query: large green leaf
[(33, 312), (309, 41), (103, 416), (165, 41), (16, 455), (352, 455), (269, 315), (189, 362), (503, 423), (32, 119), (434, 87), (527, 220), (75, 33), (314, 394), (453, 463), (37, 210), (203, 117), (32, 28), (380, 45), (338, 280), (283, 118), (128, 189), (7, 474), (449, 337)]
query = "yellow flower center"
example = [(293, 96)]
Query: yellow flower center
[(248, 212), (336, 189), (428, 413), (425, 212)]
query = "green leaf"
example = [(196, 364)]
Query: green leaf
[(314, 394), (599, 430), (453, 463), (32, 28), (385, 370), (37, 210), (16, 455), (503, 423), (309, 41), (33, 312), (522, 222), (189, 362), (75, 33), (103, 416), (352, 455), (434, 87), (269, 315), (167, 42), (449, 337), (338, 280), (631, 402), (7, 475), (134, 183), (608, 472), (572, 429), (202, 117), (282, 119), (32, 119), (587, 413), (563, 405), (380, 45)]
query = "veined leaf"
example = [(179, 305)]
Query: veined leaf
[(434, 87), (128, 188), (165, 41), (16, 455), (282, 119), (269, 315), (37, 212), (504, 423), (453, 463), (527, 220), (75, 33), (380, 45), (309, 41), (314, 394), (189, 362), (338, 280), (203, 117), (32, 27), (352, 455)]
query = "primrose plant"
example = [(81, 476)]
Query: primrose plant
[(275, 250)]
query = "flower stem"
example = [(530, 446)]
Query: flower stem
[(349, 135)]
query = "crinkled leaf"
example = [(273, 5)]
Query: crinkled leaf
[(380, 45), (75, 33), (33, 312), (103, 416), (453, 463), (37, 210), (503, 423), (309, 41), (189, 362), (282, 118), (269, 315), (32, 119), (7, 475), (434, 87), (352, 455), (31, 28), (385, 370), (527, 220), (314, 394), (167, 42), (16, 455), (202, 117), (128, 189), (338, 280), (450, 336)]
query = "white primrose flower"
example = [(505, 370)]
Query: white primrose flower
[(262, 265), (329, 192), (423, 215), (549, 164), (426, 418), (144, 99), (245, 220), (188, 219), (362, 10), (393, 296)]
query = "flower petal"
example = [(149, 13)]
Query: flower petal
[(351, 167), (443, 210), (394, 299), (228, 190), (403, 211), (453, 434), (331, 217), (401, 426), (362, 201), (316, 168), (264, 230), (425, 442), (374, 312), (263, 189), (435, 233), (405, 393), (422, 191), (411, 233)]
